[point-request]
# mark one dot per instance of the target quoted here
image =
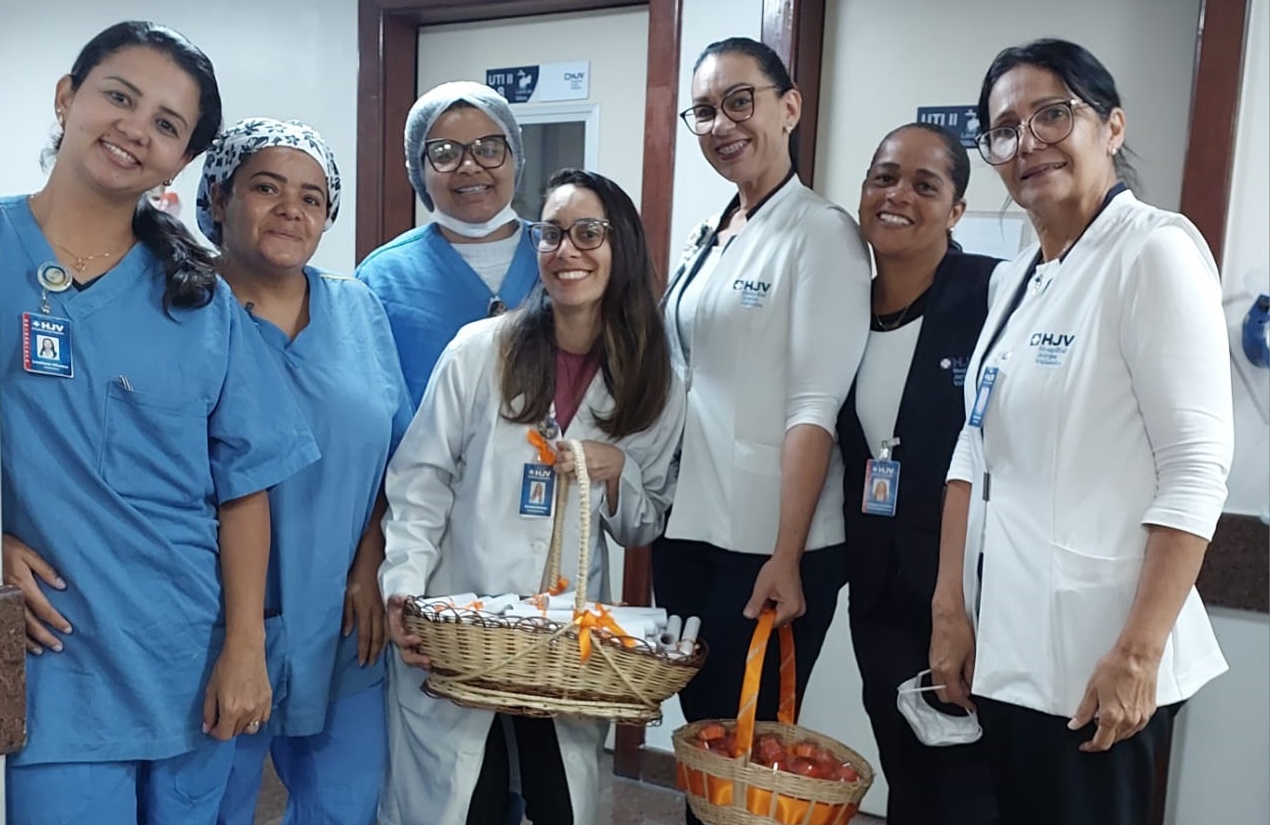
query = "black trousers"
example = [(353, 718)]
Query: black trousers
[(928, 786), (691, 578), (1043, 779), (543, 783)]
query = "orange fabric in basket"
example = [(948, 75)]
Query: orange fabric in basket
[(587, 621), (788, 811)]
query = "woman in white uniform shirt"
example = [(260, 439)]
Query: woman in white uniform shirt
[(589, 341), (768, 316), (1088, 481)]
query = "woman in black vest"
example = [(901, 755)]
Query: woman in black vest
[(906, 408)]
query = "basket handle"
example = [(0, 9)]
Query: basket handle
[(551, 572), (753, 677)]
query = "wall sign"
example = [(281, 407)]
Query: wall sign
[(539, 84), (960, 120)]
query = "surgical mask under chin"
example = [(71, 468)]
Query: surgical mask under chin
[(476, 230), (933, 727)]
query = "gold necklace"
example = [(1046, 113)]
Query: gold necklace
[(898, 321), (81, 261)]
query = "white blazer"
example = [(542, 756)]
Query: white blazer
[(453, 526), (778, 333), (1111, 412)]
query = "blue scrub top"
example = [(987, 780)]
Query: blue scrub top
[(114, 476), (430, 292), (343, 371)]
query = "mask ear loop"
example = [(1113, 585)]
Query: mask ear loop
[(920, 688)]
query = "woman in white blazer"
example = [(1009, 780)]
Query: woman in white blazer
[(767, 315), (1092, 469), (589, 351)]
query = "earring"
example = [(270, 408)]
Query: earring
[(167, 182), (61, 118)]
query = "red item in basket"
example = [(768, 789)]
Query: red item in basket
[(847, 772), (767, 750)]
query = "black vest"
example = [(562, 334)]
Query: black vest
[(931, 414)]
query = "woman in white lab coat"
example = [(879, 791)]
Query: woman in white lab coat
[(1092, 469), (588, 350)]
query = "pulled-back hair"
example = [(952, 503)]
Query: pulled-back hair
[(1077, 67), (189, 267), (634, 356), (769, 63)]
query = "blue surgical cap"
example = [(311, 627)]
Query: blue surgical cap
[(434, 103)]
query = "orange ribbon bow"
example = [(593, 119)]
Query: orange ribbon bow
[(546, 455)]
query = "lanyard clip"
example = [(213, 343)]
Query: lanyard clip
[(884, 454)]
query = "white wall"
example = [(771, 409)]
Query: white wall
[(699, 190), (616, 43), (1245, 266), (273, 58), (884, 59)]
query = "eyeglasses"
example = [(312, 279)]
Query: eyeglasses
[(588, 233), (1049, 125), (488, 152), (737, 106)]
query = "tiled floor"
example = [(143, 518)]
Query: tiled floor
[(622, 802)]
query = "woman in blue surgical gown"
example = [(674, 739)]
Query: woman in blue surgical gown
[(269, 190), (135, 458)]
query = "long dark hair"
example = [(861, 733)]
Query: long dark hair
[(1077, 67), (189, 267), (634, 355), (769, 63)]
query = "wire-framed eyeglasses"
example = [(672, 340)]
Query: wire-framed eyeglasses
[(1050, 124), (488, 152), (585, 234), (737, 106)]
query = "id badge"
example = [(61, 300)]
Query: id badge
[(538, 491), (881, 487), (982, 397), (46, 345)]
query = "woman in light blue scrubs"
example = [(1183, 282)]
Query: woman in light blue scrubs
[(269, 190), (473, 259), (135, 459)]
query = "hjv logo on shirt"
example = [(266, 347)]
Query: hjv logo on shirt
[(1051, 347), (753, 293)]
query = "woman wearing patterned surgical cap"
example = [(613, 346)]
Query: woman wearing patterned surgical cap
[(464, 156), (269, 190)]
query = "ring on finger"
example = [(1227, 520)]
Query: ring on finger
[(254, 724)]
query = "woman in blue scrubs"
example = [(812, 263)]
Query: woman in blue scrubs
[(465, 156), (135, 460), (269, 190)]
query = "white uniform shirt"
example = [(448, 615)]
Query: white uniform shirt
[(776, 338), (881, 379), (1111, 412), (492, 259)]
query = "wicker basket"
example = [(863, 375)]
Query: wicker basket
[(538, 667), (736, 791)]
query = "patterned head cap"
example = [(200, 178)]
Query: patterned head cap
[(242, 140)]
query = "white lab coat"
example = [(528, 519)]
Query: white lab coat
[(1111, 412), (453, 526)]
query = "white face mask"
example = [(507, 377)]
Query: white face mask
[(934, 728), (476, 230)]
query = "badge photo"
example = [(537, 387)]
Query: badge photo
[(46, 345), (538, 490)]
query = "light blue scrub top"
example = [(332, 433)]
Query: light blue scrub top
[(343, 371), (430, 293), (114, 476)]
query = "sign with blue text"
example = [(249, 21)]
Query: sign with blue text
[(960, 120), (543, 83)]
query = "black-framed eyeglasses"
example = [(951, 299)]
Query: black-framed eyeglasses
[(588, 233), (737, 106), (1050, 124), (488, 152)]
